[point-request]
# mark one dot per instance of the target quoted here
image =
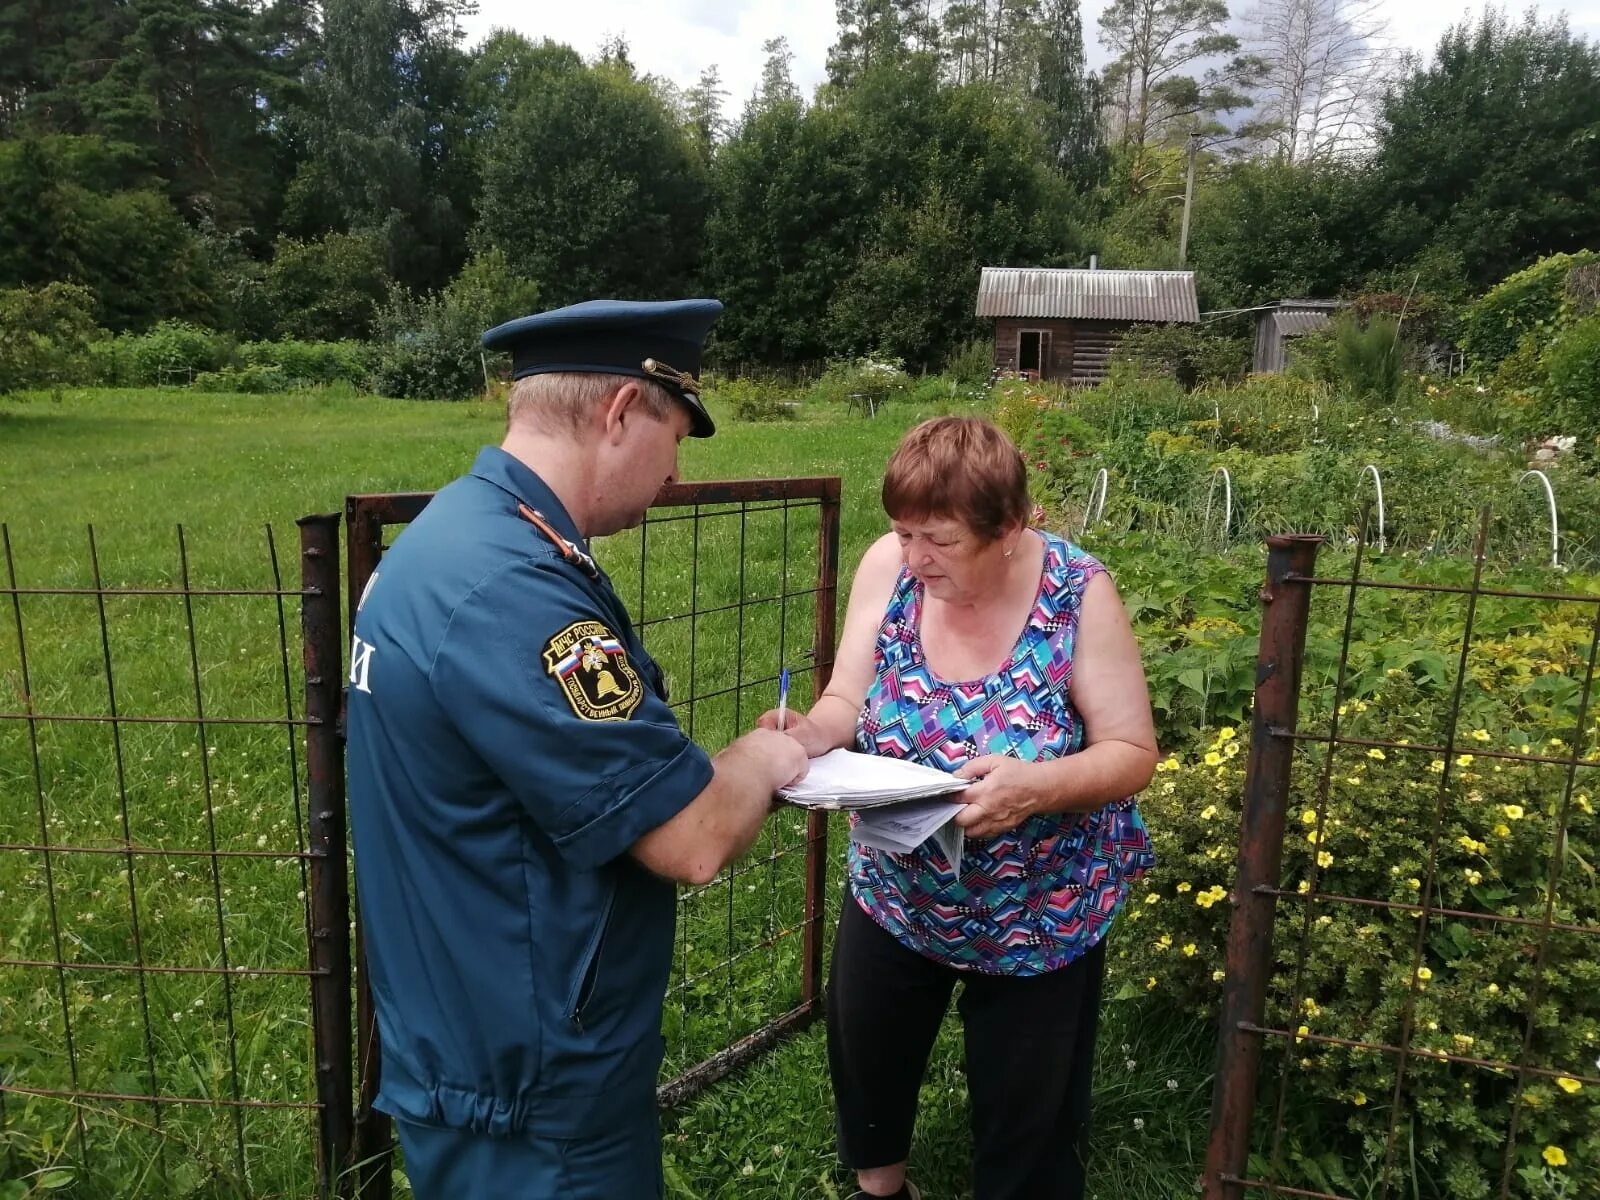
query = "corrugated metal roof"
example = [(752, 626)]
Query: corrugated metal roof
[(1071, 294), (1293, 324)]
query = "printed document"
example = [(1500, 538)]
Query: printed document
[(898, 804)]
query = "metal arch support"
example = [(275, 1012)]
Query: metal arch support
[(1097, 501), (1377, 482), (1555, 527), (1227, 500)]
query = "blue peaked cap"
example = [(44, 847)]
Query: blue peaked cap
[(662, 340)]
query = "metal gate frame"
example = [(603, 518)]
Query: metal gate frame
[(1258, 885), (358, 1140)]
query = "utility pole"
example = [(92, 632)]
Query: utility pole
[(1188, 202)]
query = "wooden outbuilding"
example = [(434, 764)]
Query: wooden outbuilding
[(1287, 319), (1063, 323)]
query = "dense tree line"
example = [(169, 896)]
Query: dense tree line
[(310, 168)]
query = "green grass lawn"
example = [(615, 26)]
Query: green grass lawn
[(136, 466)]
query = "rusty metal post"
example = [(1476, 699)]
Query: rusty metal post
[(329, 879), (1286, 607), (374, 1132), (817, 822)]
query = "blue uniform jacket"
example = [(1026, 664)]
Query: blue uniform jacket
[(509, 740)]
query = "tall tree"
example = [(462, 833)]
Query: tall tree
[(1069, 95), (49, 50), (1491, 149), (71, 210), (383, 130), (1157, 42), (777, 77), (1266, 230), (860, 224), (1323, 72), (188, 85), (871, 33), (703, 109), (994, 41), (592, 187)]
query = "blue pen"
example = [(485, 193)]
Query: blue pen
[(783, 696)]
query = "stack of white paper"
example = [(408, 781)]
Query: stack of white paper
[(897, 802), (901, 828), (845, 779)]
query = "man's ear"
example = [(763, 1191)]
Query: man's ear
[(624, 405)]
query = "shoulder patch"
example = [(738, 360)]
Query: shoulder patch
[(590, 665)]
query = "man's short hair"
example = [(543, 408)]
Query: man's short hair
[(560, 402), (958, 468)]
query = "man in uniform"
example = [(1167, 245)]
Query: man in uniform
[(520, 793)]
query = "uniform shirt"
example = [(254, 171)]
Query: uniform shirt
[(1037, 897), (509, 740)]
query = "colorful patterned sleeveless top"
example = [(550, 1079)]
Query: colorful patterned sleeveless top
[(1035, 898)]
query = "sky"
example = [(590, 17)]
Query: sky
[(677, 39)]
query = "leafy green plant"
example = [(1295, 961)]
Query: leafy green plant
[(869, 379), (308, 364), (45, 334), (1183, 352), (329, 288), (1572, 365), (251, 380), (1367, 357), (429, 347), (1371, 838), (1528, 301), (971, 363), (756, 400), (172, 353)]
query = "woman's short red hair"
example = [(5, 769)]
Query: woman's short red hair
[(959, 469)]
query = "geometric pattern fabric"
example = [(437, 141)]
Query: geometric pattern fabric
[(1034, 898)]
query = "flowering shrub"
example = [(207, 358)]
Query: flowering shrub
[(1474, 983), (872, 379)]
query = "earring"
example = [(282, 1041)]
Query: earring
[(1008, 552)]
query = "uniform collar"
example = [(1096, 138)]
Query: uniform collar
[(513, 476)]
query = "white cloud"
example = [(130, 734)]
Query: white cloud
[(677, 39)]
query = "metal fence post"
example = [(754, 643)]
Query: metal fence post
[(329, 878), (374, 1132), (817, 822), (1286, 607)]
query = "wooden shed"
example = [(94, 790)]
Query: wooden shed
[(1287, 319), (1062, 324)]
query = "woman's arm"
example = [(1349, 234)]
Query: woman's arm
[(1119, 755), (832, 720)]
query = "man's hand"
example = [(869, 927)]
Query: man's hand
[(1003, 798), (799, 728), (785, 755)]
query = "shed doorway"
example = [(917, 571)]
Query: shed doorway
[(1033, 353)]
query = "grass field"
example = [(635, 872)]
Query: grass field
[(136, 466)]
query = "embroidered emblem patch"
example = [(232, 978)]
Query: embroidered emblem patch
[(589, 663)]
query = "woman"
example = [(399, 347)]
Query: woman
[(1053, 725)]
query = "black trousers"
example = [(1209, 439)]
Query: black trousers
[(1029, 1051)]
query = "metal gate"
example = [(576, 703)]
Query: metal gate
[(747, 567), (1246, 1150)]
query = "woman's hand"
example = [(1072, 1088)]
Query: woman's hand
[(1004, 796), (801, 728)]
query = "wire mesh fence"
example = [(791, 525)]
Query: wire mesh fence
[(729, 584), (156, 868), (178, 1010), (1415, 908)]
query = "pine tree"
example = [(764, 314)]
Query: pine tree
[(1068, 94)]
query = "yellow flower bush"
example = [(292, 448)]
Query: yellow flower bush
[(1469, 991)]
